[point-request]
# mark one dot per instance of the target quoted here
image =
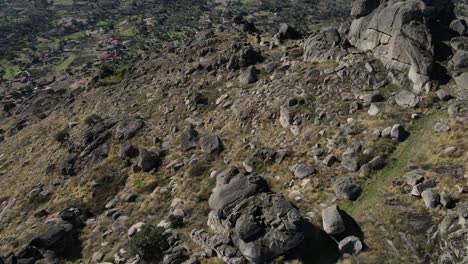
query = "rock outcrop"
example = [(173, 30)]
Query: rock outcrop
[(325, 45), (251, 223), (400, 34), (59, 239), (450, 238)]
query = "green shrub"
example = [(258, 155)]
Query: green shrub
[(149, 244), (92, 119), (199, 169), (176, 221), (62, 136), (111, 74)]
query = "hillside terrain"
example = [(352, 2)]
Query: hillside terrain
[(233, 131)]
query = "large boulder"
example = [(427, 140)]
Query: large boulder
[(62, 237), (407, 99), (127, 151), (245, 217), (245, 56), (346, 188), (67, 165), (188, 139), (129, 128), (148, 160), (249, 75), (399, 34), (288, 32), (333, 223), (51, 237), (231, 189), (210, 144)]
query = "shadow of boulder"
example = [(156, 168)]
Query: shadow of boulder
[(317, 248)]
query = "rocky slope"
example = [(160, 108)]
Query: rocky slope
[(346, 145)]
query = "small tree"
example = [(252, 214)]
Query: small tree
[(149, 244)]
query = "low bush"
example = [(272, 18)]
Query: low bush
[(149, 244), (62, 136), (92, 119)]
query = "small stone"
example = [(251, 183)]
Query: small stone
[(399, 133), (462, 210), (294, 195), (365, 170), (303, 170), (249, 75), (413, 178), (350, 162), (286, 117), (387, 132), (430, 197), (178, 212), (449, 150), (41, 213), (446, 200), (135, 229), (377, 163), (329, 160), (111, 203), (119, 223), (350, 245), (459, 26), (377, 133), (248, 165), (295, 130), (441, 128), (443, 95), (375, 97), (375, 109), (419, 188), (130, 198)]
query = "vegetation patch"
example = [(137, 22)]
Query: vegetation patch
[(110, 74), (396, 162), (149, 243)]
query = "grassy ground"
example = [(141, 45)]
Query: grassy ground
[(64, 64), (396, 163)]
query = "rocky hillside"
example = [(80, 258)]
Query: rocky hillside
[(252, 138)]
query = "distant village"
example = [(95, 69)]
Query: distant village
[(112, 49)]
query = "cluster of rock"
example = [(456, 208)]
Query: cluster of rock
[(210, 144), (250, 223), (93, 143), (450, 237), (425, 189), (334, 224)]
